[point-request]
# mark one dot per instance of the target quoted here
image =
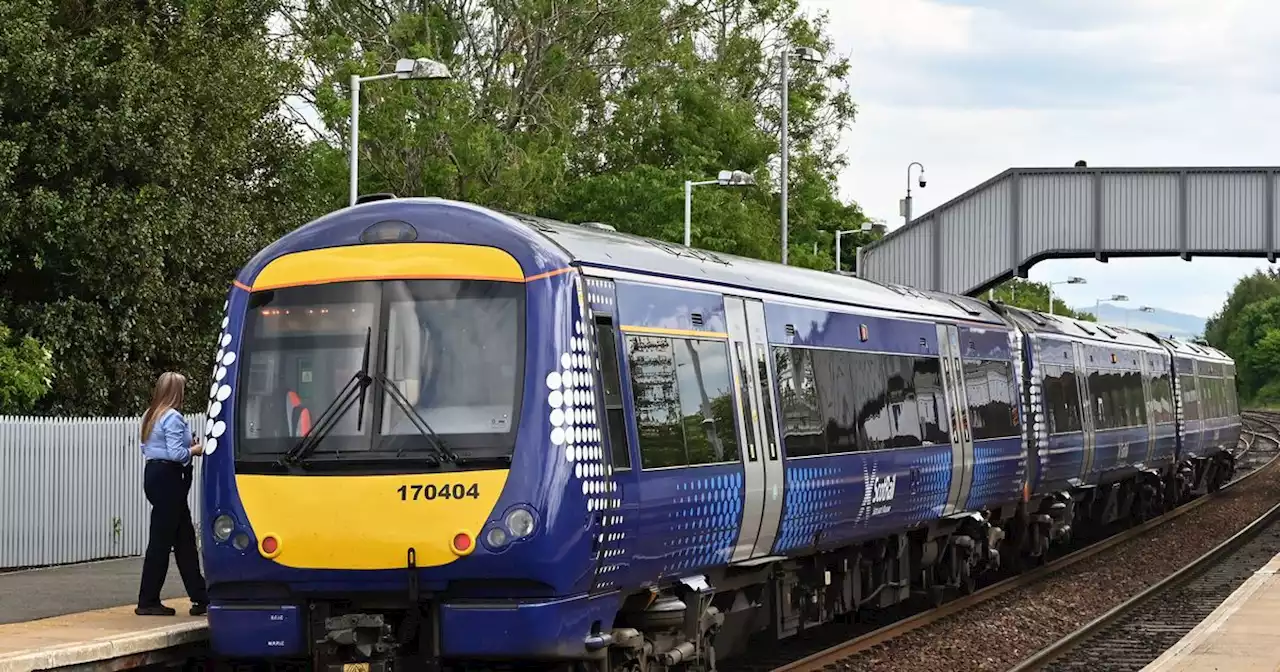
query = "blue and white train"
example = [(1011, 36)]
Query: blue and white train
[(440, 433)]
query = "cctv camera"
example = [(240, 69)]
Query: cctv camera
[(922, 181)]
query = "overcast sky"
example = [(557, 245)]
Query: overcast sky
[(972, 87)]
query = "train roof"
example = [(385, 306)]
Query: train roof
[(1206, 353), (595, 245), (1080, 330)]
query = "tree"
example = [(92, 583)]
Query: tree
[(25, 371), (1248, 329), (1035, 296), (142, 162), (590, 110), (1258, 286)]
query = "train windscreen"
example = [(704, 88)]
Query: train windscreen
[(384, 370)]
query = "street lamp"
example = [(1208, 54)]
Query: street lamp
[(1114, 298), (1141, 309), (406, 68), (805, 55), (906, 202), (1073, 280), (866, 226), (726, 178)]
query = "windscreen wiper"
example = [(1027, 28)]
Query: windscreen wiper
[(358, 383), (437, 444)]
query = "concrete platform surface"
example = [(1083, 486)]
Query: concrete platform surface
[(98, 635), (1242, 634), (56, 591)]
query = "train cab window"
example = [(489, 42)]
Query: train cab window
[(803, 428), (683, 401), (607, 346), (935, 423), (989, 386)]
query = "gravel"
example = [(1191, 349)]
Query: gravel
[(1000, 633)]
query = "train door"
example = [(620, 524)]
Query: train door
[(958, 410), (758, 433), (1088, 412), (1149, 403)]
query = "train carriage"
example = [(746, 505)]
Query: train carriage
[(440, 434)]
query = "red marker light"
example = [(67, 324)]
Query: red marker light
[(462, 541), (269, 545)]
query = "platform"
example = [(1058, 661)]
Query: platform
[(1243, 633), (79, 615)]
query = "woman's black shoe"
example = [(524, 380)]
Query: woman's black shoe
[(157, 610), (199, 609)]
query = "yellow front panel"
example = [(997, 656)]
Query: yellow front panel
[(404, 261), (369, 522)]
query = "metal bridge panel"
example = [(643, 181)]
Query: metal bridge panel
[(976, 234), (1226, 211), (1051, 218), (1139, 211), (1000, 228)]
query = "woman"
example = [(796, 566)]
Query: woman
[(168, 445)]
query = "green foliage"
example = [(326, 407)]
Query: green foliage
[(1035, 296), (142, 162), (1248, 329), (592, 110), (25, 371)]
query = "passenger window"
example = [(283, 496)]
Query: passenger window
[(903, 409), (989, 385), (932, 406), (706, 401), (803, 427), (683, 401), (656, 401), (615, 418)]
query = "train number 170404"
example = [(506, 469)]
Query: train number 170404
[(445, 491)]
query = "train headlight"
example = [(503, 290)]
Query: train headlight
[(519, 523), (222, 527), (497, 537)]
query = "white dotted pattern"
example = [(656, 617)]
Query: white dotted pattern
[(575, 433), (215, 426)]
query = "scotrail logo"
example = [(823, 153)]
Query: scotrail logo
[(877, 496), (883, 489)]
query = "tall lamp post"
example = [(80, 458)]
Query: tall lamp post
[(726, 178), (1141, 309), (1073, 280), (406, 68), (866, 226), (1112, 299), (906, 202), (805, 55)]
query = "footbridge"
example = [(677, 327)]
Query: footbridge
[(1002, 227)]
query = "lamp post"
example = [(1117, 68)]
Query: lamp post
[(1112, 299), (1141, 309), (1073, 280), (406, 68), (806, 55), (906, 202), (838, 235), (726, 178)]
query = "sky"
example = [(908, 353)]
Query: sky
[(970, 88)]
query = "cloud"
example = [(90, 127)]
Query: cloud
[(972, 87)]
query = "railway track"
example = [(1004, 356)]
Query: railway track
[(1260, 445), (1136, 632)]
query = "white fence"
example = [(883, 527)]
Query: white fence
[(71, 490)]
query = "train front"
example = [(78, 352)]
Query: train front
[(402, 465)]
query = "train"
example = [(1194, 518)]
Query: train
[(441, 435)]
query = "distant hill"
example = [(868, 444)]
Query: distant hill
[(1162, 322)]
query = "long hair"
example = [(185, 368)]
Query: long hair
[(167, 394)]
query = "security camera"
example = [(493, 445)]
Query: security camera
[(922, 181)]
